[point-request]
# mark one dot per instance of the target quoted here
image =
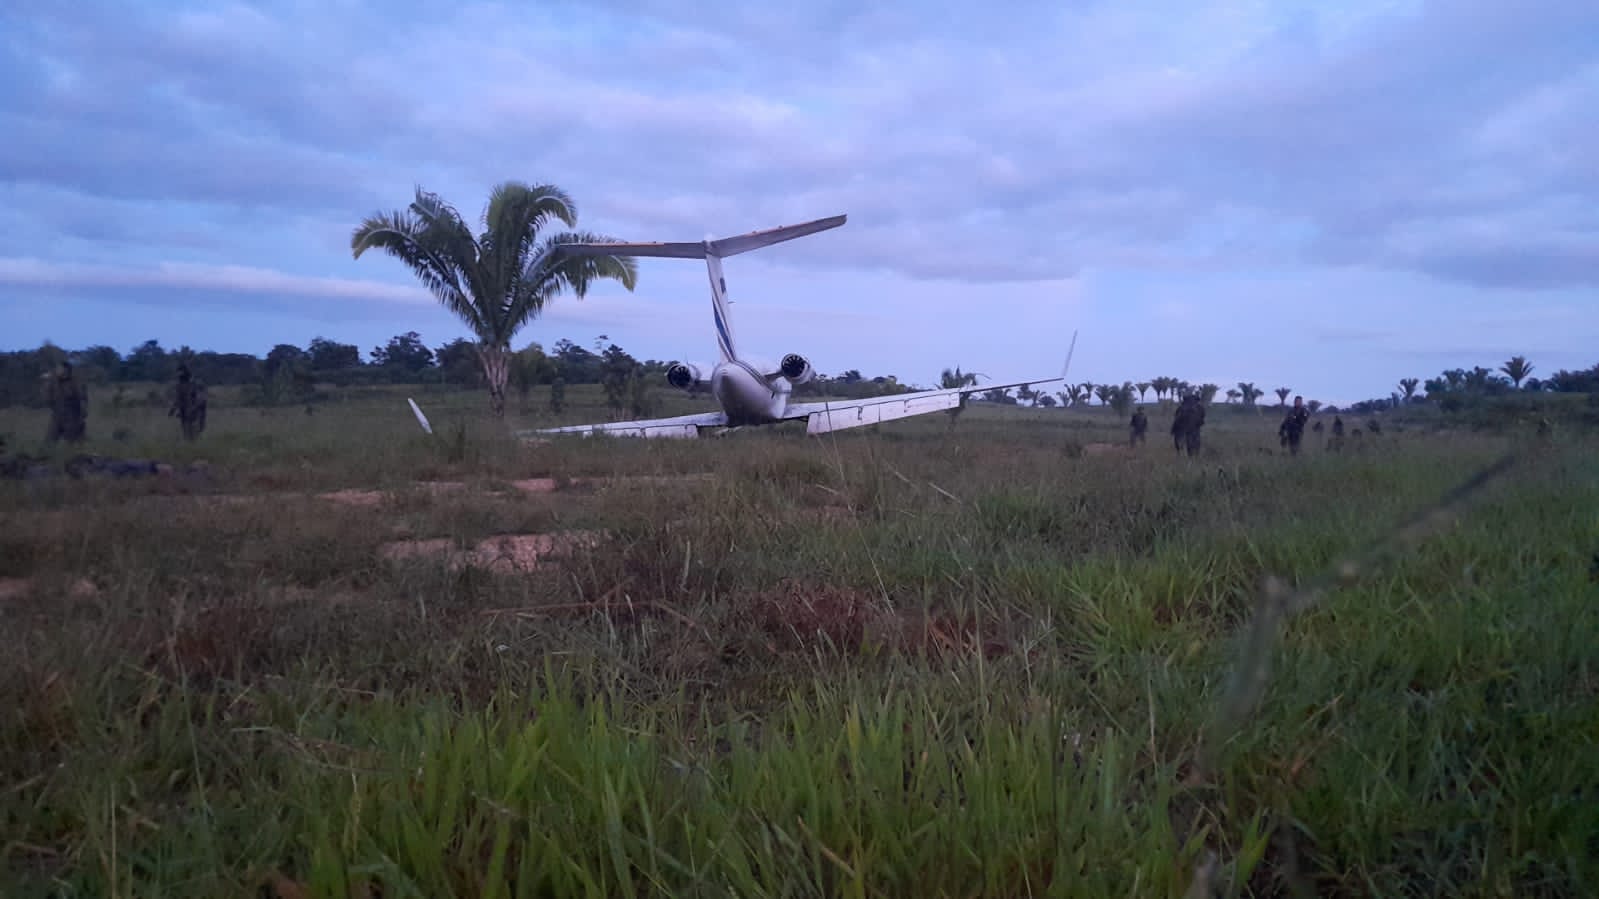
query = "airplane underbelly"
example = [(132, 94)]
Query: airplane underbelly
[(746, 398)]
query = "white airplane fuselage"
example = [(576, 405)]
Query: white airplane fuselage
[(750, 390), (746, 396)]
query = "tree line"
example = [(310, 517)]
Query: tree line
[(1451, 390), (293, 374), (1456, 388)]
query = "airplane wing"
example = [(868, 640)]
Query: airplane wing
[(678, 426), (727, 246), (830, 416), (826, 417)]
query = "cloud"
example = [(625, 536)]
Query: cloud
[(1275, 148), (185, 276), (1096, 134)]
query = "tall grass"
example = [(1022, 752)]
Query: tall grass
[(926, 661)]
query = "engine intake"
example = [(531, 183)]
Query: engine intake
[(683, 376), (796, 368)]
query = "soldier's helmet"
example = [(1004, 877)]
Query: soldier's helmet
[(183, 372)]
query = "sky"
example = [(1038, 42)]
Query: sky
[(1322, 196)]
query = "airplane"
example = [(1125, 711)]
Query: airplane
[(750, 390)]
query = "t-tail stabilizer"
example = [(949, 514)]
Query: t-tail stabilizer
[(713, 252)]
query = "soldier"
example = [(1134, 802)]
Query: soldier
[(1292, 430), (1338, 432), (69, 406), (1140, 424), (1186, 423), (188, 404)]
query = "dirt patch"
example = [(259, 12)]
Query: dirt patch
[(797, 617), (275, 489), (361, 498), (807, 618), (372, 498), (944, 633), (291, 594), (503, 553), (14, 588)]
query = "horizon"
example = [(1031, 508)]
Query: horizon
[(1267, 398), (1326, 199)]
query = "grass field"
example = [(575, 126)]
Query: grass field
[(915, 661)]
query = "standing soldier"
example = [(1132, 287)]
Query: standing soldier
[(1140, 424), (1293, 426), (69, 406), (1186, 423), (188, 404)]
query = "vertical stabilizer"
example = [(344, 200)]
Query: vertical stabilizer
[(713, 251), (724, 326)]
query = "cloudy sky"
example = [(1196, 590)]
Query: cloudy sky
[(1323, 196)]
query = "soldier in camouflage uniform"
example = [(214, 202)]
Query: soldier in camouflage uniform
[(1292, 430), (1138, 426), (189, 404), (1186, 423), (69, 406)]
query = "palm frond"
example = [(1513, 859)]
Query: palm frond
[(513, 219), (517, 211), (409, 240), (549, 273), (447, 235)]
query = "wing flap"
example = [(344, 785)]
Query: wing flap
[(826, 417), (682, 426), (743, 243), (727, 246), (659, 250)]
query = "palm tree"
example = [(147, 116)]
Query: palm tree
[(1282, 395), (1408, 385), (500, 280), (1143, 390), (950, 380), (1518, 370), (1233, 394)]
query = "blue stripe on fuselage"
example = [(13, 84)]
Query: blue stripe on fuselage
[(721, 329)]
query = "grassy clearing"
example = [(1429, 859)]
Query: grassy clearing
[(920, 661)]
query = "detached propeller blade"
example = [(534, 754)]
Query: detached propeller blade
[(420, 418)]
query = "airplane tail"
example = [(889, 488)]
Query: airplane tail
[(713, 252)]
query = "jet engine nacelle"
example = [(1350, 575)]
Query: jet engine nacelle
[(796, 368), (685, 375)]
